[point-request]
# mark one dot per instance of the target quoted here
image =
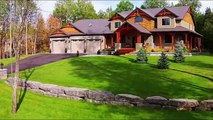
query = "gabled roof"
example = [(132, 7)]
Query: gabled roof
[(93, 26), (166, 10), (70, 25), (136, 26), (178, 11), (58, 33), (142, 10), (125, 13), (139, 28)]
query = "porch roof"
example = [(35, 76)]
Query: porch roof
[(176, 29), (135, 26)]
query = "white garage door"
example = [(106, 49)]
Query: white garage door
[(78, 45), (58, 46), (92, 46)]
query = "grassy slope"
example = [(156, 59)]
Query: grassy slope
[(36, 106), (119, 74)]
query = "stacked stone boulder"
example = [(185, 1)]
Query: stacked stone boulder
[(206, 105), (183, 104), (155, 102), (105, 97)]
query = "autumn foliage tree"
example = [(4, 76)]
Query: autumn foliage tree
[(42, 43), (53, 23)]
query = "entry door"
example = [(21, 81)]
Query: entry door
[(92, 46)]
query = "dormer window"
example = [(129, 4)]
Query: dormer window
[(117, 24), (166, 21), (138, 19)]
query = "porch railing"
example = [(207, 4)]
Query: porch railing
[(126, 45)]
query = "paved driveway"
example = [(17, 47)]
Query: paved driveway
[(39, 60)]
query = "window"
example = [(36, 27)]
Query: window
[(117, 24), (168, 39), (166, 21), (138, 19)]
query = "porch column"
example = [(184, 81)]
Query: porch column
[(195, 40), (160, 40), (190, 46), (105, 42), (118, 41), (199, 44), (173, 40), (186, 40), (118, 38), (112, 41), (139, 42)]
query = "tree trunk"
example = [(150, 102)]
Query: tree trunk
[(26, 42), (15, 80), (35, 40)]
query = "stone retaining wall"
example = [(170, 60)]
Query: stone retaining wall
[(110, 98), (3, 74)]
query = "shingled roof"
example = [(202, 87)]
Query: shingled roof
[(93, 26), (101, 26), (179, 11)]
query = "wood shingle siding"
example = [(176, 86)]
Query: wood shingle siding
[(188, 18)]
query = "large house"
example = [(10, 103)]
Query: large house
[(157, 28)]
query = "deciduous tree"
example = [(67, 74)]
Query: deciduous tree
[(72, 10), (154, 4), (22, 11), (42, 36), (53, 23)]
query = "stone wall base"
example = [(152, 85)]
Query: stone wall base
[(138, 46), (3, 74), (117, 46), (105, 97)]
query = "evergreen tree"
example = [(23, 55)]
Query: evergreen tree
[(142, 56), (124, 5), (179, 53), (163, 62)]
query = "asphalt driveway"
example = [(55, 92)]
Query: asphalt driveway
[(38, 60)]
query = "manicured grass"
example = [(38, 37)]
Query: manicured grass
[(8, 61), (36, 106), (119, 74)]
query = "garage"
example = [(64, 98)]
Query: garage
[(78, 45), (58, 46), (93, 45)]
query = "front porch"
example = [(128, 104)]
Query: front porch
[(167, 40), (129, 36)]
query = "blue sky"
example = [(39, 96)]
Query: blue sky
[(47, 6)]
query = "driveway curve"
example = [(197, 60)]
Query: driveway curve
[(38, 60)]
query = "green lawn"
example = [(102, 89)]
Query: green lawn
[(8, 61), (36, 106), (119, 74)]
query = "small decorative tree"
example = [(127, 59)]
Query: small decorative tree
[(142, 56), (163, 62), (179, 53)]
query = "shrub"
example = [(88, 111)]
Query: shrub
[(142, 56), (163, 62), (1, 65), (99, 52), (179, 53)]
